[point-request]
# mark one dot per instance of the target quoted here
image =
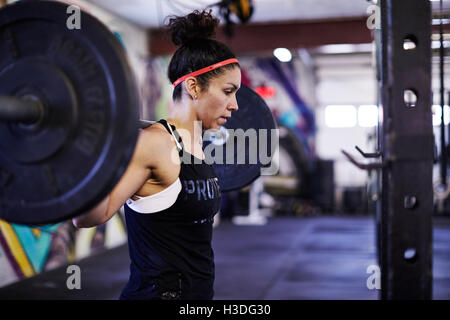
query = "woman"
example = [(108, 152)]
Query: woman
[(170, 202)]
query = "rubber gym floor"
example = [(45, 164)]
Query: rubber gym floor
[(323, 258)]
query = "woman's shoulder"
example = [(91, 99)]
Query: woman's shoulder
[(157, 145), (155, 135)]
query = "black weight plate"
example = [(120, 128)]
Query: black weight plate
[(71, 159), (240, 166)]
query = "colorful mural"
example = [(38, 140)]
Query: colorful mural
[(26, 251)]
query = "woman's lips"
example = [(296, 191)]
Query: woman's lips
[(223, 120)]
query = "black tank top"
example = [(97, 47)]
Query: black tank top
[(170, 250)]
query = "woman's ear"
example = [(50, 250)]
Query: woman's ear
[(192, 87)]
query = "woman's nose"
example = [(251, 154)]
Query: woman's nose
[(233, 105)]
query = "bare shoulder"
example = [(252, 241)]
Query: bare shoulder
[(156, 149), (154, 137)]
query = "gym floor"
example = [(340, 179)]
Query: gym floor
[(287, 259)]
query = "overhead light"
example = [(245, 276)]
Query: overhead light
[(282, 54), (344, 48)]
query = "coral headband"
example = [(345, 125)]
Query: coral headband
[(204, 70)]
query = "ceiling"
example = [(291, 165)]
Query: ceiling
[(151, 13)]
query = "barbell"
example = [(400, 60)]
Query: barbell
[(69, 115)]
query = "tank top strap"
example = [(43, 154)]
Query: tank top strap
[(173, 131)]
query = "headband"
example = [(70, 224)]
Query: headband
[(204, 70)]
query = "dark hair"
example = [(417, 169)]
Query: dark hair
[(192, 33)]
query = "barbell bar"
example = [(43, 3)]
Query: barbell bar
[(29, 111)]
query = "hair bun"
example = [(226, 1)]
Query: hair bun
[(194, 26)]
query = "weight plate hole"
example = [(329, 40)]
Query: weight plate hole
[(410, 98), (410, 255), (409, 43)]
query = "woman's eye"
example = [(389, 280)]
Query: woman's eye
[(228, 92)]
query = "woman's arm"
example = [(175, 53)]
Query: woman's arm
[(93, 217), (138, 171)]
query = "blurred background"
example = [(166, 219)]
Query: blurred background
[(308, 232)]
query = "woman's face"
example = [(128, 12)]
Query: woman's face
[(218, 100)]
